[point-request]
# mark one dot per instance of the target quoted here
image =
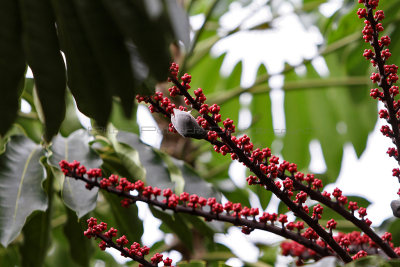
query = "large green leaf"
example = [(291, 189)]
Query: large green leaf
[(193, 183), (85, 78), (30, 122), (80, 247), (36, 239), (149, 34), (392, 225), (32, 128), (334, 116), (299, 131), (157, 173), (43, 55), (21, 177), (193, 263), (71, 121), (261, 130), (206, 73), (10, 256), (12, 63), (37, 230), (109, 49), (128, 156), (176, 224), (121, 122), (76, 147), (59, 255), (374, 260), (126, 219), (179, 21), (164, 171)]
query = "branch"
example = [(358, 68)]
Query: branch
[(270, 185), (170, 203), (338, 208), (135, 251), (387, 74)]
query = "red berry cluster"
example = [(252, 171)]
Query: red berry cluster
[(248, 218), (267, 167), (386, 76), (231, 212), (75, 168), (357, 244), (134, 251), (172, 200)]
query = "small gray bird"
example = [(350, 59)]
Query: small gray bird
[(186, 125), (395, 205)]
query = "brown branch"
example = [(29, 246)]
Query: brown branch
[(209, 216), (270, 185)]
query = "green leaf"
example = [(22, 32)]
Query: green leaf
[(192, 263), (76, 147), (37, 230), (157, 173), (175, 173), (149, 34), (269, 254), (36, 239), (15, 130), (32, 128), (374, 260), (261, 131), (263, 195), (71, 122), (165, 171), (126, 219), (394, 229), (43, 55), (60, 255), (85, 79), (206, 73), (299, 131), (201, 226), (314, 114), (121, 122), (27, 92), (10, 256), (179, 21), (176, 224), (193, 184), (80, 247), (129, 157), (108, 46), (234, 193), (12, 63), (105, 258), (21, 176)]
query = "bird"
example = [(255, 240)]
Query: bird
[(186, 125)]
